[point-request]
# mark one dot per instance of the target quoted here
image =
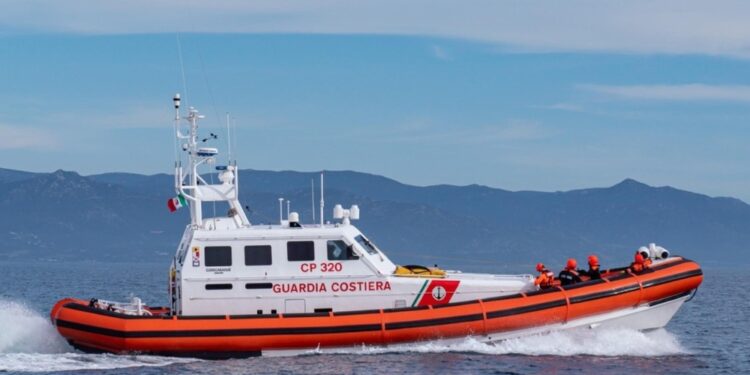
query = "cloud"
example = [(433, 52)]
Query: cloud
[(515, 130), (133, 117), (565, 107), (688, 92), (635, 26), (24, 138), (441, 53)]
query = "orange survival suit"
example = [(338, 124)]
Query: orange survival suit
[(546, 277)]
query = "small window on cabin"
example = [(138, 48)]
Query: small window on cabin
[(218, 286), (366, 244), (299, 251), (258, 255), (218, 256), (339, 250)]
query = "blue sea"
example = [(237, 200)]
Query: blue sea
[(709, 335)]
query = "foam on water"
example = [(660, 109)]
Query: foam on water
[(35, 362), (29, 343), (23, 330), (600, 342)]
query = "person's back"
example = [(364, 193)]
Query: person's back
[(569, 275), (593, 273)]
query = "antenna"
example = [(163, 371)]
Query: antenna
[(229, 142), (322, 201), (312, 198), (234, 130), (182, 67), (176, 100), (281, 209), (288, 204)]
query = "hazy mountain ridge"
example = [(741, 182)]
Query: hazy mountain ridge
[(124, 216)]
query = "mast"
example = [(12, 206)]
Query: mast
[(196, 210), (197, 189)]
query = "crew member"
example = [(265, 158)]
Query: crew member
[(545, 278), (638, 264), (569, 275), (593, 272)]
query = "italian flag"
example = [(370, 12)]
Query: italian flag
[(176, 203)]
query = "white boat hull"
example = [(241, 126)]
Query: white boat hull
[(642, 318)]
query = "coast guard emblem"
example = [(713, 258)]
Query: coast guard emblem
[(196, 257), (438, 293)]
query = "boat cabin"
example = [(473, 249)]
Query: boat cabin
[(229, 266)]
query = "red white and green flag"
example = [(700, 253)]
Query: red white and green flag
[(176, 203)]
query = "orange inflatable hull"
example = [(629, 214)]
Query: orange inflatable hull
[(93, 329)]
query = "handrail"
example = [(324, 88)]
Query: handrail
[(567, 303)]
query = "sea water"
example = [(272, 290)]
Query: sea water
[(709, 335)]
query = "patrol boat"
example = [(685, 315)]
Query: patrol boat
[(240, 289)]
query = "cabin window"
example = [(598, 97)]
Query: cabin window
[(299, 251), (218, 256), (258, 255), (366, 244), (258, 286), (218, 286), (339, 250)]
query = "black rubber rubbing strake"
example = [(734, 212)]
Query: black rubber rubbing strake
[(670, 298), (434, 322), (220, 332), (605, 294), (670, 278), (525, 309)]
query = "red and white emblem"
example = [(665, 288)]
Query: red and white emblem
[(436, 292)]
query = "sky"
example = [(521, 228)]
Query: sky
[(517, 95)]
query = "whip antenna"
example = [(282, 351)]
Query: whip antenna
[(312, 198), (182, 68), (229, 142), (322, 201)]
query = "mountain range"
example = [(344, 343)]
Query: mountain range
[(123, 217)]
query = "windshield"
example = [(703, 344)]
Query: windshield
[(366, 244)]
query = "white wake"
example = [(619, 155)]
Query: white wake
[(29, 343), (599, 342), (23, 330)]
